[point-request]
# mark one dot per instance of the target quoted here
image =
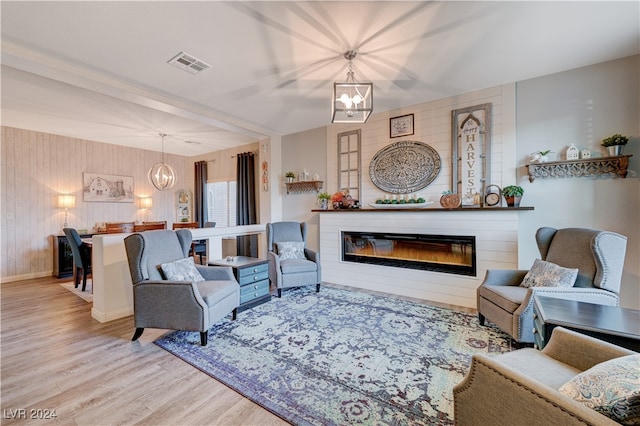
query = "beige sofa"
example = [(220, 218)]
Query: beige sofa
[(520, 387)]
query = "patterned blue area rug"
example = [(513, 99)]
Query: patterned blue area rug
[(343, 357)]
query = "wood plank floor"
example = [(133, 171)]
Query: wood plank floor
[(54, 356)]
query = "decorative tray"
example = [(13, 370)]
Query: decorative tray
[(401, 206)]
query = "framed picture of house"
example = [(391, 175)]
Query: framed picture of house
[(103, 188), (471, 153), (401, 126)]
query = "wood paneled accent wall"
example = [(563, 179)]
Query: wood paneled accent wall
[(36, 167)]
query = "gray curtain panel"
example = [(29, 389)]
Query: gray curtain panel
[(246, 203), (200, 199)]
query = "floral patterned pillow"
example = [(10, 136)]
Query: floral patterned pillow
[(611, 388), (547, 274), (290, 250), (182, 270)]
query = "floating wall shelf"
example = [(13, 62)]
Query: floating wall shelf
[(576, 168), (305, 186)]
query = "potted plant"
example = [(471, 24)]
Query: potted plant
[(289, 176), (614, 144), (323, 200), (512, 194)]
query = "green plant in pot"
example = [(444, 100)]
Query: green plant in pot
[(289, 176), (614, 144), (323, 200), (512, 194)]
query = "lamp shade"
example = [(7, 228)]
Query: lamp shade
[(66, 201), (146, 202)]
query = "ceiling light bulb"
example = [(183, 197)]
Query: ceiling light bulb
[(357, 99)]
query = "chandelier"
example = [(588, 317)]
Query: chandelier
[(352, 101), (162, 175)]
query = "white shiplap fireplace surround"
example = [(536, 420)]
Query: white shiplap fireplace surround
[(495, 230)]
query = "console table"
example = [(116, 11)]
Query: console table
[(253, 276), (612, 324)]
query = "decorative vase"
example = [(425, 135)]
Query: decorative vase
[(614, 150), (289, 179), (512, 201), (323, 203), (450, 201)]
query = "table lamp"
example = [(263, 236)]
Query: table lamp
[(66, 202)]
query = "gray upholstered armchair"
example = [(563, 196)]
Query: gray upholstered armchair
[(178, 304), (291, 264), (521, 387), (598, 256)]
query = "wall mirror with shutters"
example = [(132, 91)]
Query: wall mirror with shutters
[(349, 170)]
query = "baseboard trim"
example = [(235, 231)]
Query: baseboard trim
[(22, 277)]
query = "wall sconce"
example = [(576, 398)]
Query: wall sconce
[(66, 202), (146, 203)]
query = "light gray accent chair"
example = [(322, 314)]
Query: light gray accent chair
[(289, 273), (521, 387), (598, 256), (176, 305)]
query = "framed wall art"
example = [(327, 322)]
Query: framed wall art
[(401, 126), (103, 188), (471, 152)]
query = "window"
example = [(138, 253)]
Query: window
[(349, 173), (221, 203)]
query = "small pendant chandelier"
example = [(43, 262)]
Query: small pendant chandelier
[(162, 175), (352, 102)]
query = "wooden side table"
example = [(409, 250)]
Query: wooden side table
[(253, 276), (612, 324)]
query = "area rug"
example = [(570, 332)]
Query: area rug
[(86, 295), (343, 357)]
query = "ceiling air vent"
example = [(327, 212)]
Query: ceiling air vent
[(188, 63)]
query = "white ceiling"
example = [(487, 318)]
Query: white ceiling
[(98, 70)]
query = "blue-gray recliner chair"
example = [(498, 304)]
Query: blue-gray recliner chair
[(178, 304), (291, 263), (598, 256)]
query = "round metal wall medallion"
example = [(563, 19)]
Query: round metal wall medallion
[(404, 167)]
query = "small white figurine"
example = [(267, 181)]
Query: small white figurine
[(572, 152)]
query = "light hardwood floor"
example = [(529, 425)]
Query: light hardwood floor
[(54, 356)]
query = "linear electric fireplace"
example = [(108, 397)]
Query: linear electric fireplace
[(453, 254)]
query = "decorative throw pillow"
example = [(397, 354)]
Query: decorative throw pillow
[(181, 270), (547, 274), (290, 250), (612, 388)]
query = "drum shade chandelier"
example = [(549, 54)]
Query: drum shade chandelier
[(352, 101), (162, 175)]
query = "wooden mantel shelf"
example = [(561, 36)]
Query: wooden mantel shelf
[(304, 186), (576, 168), (428, 210)]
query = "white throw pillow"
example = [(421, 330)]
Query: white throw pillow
[(547, 274), (290, 250), (182, 270), (611, 388)]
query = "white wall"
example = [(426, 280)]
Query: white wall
[(38, 166), (583, 106), (306, 150), (579, 106)]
